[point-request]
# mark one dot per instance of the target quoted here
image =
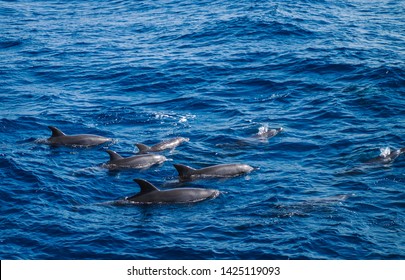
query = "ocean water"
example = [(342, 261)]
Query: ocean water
[(330, 73)]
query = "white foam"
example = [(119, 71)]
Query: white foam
[(384, 152), (183, 119), (263, 129)]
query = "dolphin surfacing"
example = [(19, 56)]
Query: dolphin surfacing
[(138, 161), (80, 140), (150, 194), (386, 156), (164, 145), (215, 171)]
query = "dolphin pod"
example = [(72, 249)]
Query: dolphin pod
[(215, 171), (164, 145), (151, 194), (83, 140), (138, 161)]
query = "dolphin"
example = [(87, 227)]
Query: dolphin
[(386, 156), (138, 161), (164, 145), (150, 194), (215, 171), (263, 134), (83, 140)]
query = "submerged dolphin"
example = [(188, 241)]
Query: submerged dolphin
[(263, 134), (138, 161), (304, 208), (165, 145), (84, 140), (150, 194), (386, 156), (215, 171)]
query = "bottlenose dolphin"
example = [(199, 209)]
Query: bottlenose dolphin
[(215, 171), (386, 156), (138, 161), (151, 194), (164, 145), (263, 134), (84, 140)]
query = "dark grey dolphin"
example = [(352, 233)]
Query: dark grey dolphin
[(165, 145), (215, 171), (138, 161), (386, 156), (80, 140), (150, 194)]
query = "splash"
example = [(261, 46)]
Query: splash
[(186, 118), (265, 132), (384, 152), (263, 129)]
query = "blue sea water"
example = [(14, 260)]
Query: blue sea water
[(331, 73)]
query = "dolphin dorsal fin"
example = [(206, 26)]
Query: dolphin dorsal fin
[(56, 132), (142, 148), (113, 155), (145, 186), (184, 170)]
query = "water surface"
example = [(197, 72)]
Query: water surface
[(331, 73)]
